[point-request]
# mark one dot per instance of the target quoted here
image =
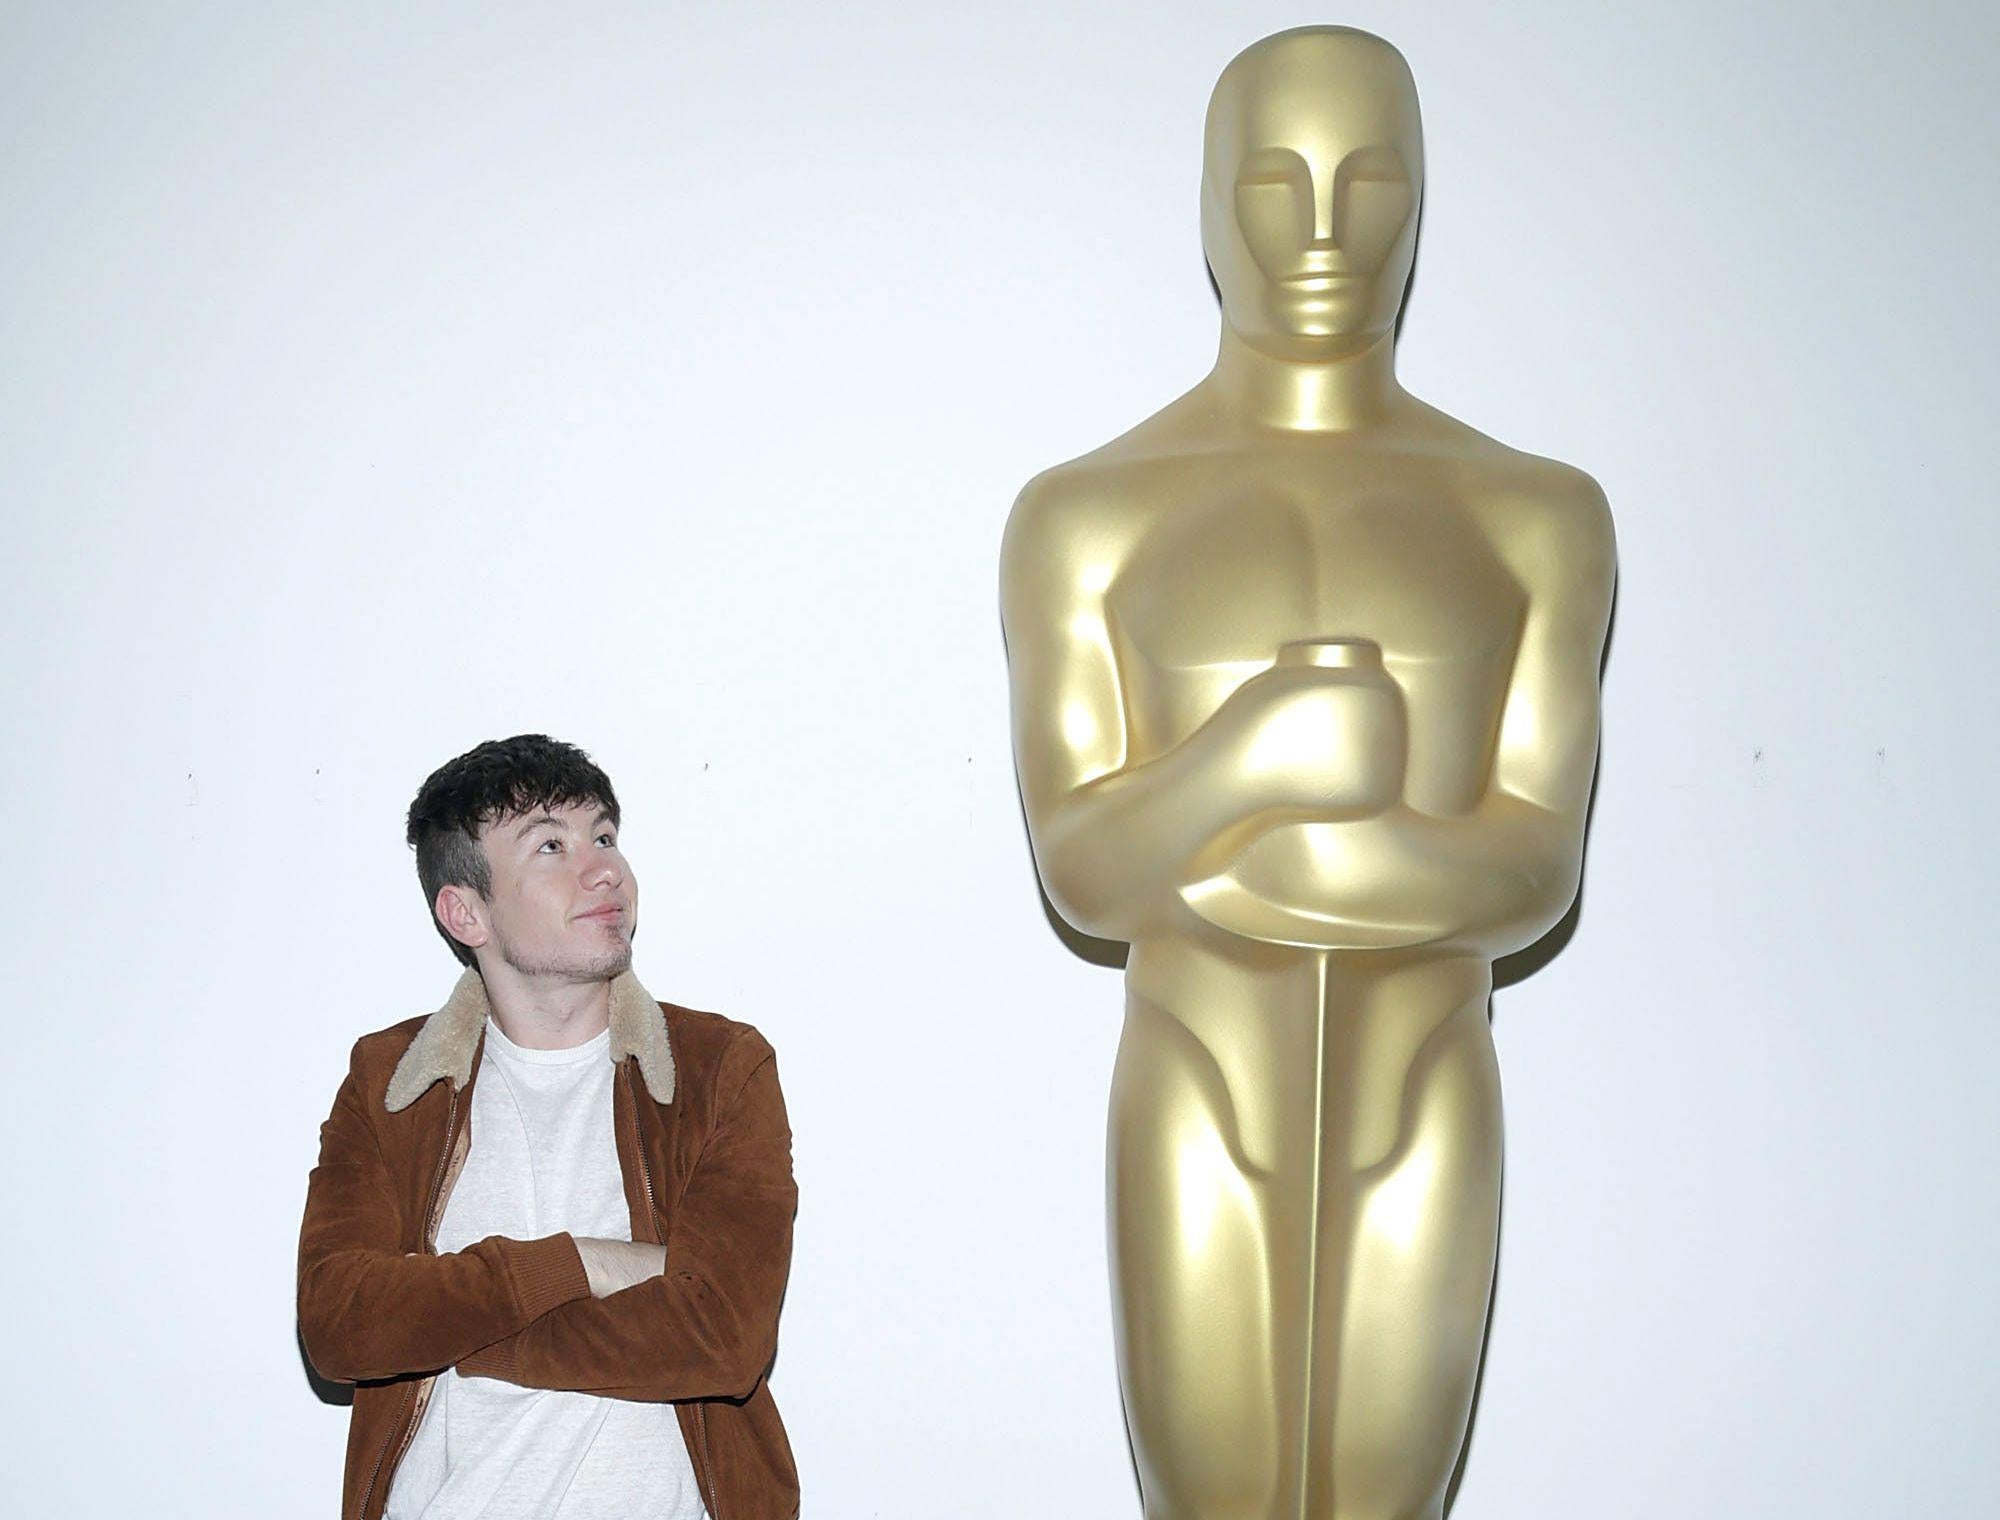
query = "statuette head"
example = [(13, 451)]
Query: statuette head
[(1311, 181)]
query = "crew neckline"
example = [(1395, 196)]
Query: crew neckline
[(497, 1041)]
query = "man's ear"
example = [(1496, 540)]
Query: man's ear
[(463, 913)]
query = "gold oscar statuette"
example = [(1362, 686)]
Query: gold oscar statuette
[(1304, 678)]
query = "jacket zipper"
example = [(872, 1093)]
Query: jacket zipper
[(708, 1462), (639, 1150), (430, 1240), (652, 1218)]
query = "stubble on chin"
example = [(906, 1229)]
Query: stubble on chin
[(598, 966)]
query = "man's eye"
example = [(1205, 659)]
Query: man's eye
[(549, 843), (607, 839)]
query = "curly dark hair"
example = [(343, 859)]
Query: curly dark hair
[(502, 778)]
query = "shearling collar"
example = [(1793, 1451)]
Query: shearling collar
[(444, 1045)]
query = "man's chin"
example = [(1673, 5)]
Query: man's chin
[(607, 963), (599, 965)]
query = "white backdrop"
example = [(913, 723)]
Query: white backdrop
[(379, 379)]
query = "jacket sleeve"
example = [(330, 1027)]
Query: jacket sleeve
[(369, 1309), (707, 1327)]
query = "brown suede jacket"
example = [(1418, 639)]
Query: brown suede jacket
[(706, 1154)]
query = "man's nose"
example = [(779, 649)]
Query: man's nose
[(604, 872)]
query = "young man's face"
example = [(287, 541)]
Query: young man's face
[(564, 902)]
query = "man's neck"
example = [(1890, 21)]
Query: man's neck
[(546, 1013), (1323, 396)]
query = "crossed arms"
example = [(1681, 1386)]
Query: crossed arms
[(1119, 835), (522, 1310)]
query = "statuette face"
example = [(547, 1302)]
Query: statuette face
[(1304, 679), (1310, 189)]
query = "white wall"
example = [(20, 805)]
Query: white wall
[(376, 380)]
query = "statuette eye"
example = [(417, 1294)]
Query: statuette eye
[(1377, 163), (1275, 166), (1274, 199)]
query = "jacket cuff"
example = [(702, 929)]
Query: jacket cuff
[(548, 1272), (500, 1360)]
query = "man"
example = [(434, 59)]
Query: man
[(551, 1223)]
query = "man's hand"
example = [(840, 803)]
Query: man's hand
[(615, 1265)]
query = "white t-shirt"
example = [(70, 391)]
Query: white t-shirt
[(542, 1159)]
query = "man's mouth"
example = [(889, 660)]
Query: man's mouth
[(611, 910)]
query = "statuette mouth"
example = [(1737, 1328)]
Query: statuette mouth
[(1333, 654)]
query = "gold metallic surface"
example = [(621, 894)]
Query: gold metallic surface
[(1305, 704)]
